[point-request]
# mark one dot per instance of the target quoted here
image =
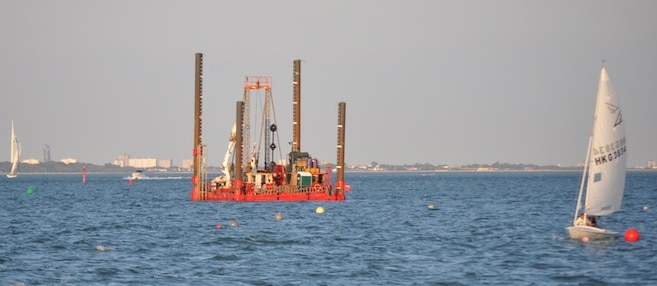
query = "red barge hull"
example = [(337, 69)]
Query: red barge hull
[(271, 196)]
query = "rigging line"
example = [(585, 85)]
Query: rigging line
[(278, 138), (262, 126), (584, 177), (258, 106)]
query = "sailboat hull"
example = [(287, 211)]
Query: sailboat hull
[(11, 176), (578, 232)]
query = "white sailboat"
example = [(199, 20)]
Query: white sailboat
[(604, 170), (15, 153)]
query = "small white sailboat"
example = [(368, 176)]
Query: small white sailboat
[(15, 153), (604, 170)]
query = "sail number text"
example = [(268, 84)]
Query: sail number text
[(609, 152)]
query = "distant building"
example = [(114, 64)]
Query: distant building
[(123, 160), (69, 161), (30, 161), (46, 153), (164, 163), (652, 165), (142, 162), (187, 163)]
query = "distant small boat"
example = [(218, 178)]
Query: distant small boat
[(137, 174), (604, 170), (15, 153)]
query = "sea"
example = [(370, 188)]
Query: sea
[(411, 228)]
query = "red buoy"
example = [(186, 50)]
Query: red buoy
[(218, 225), (84, 174), (632, 235)]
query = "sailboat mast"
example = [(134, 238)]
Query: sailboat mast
[(584, 177), (13, 144)]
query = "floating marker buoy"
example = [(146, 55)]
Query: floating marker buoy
[(84, 174), (632, 235), (130, 181), (585, 239), (319, 210), (103, 248), (218, 225), (431, 206), (233, 222), (645, 208), (278, 216), (30, 190)]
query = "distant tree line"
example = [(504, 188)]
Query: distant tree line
[(430, 167)]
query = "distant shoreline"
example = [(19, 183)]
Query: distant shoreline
[(350, 171), (489, 171)]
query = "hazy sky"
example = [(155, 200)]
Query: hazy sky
[(439, 82)]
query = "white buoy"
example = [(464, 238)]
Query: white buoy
[(319, 210), (278, 216), (431, 206), (233, 222), (103, 248), (645, 208)]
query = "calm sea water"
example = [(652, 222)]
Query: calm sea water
[(486, 228)]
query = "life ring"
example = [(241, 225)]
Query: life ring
[(317, 188)]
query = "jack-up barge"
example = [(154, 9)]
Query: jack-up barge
[(299, 177)]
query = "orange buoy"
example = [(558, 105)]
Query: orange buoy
[(130, 181), (585, 239), (632, 235)]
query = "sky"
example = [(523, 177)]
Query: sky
[(438, 82)]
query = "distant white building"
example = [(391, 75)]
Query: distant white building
[(68, 161), (30, 161), (165, 163), (187, 163), (123, 160), (142, 162)]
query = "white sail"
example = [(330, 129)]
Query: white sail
[(15, 153), (608, 154)]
